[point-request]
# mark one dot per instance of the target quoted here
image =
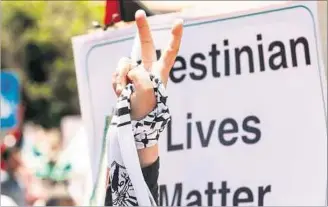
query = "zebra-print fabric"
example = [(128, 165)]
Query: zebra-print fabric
[(147, 131), (128, 187)]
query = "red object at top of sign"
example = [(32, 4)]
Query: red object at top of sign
[(112, 12)]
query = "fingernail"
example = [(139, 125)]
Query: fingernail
[(179, 21), (140, 13)]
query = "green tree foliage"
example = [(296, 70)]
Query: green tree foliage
[(36, 42)]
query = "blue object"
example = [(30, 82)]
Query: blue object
[(10, 98)]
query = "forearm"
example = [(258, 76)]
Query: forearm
[(148, 156)]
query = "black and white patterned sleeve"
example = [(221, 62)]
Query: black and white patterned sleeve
[(147, 131)]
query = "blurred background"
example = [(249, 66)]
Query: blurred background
[(36, 50), (37, 165)]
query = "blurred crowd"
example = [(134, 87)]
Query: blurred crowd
[(31, 174), (33, 170)]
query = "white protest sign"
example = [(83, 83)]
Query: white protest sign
[(248, 101)]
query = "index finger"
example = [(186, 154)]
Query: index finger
[(148, 53)]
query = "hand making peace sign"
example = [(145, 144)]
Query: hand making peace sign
[(143, 99)]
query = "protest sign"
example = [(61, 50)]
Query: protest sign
[(247, 95)]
